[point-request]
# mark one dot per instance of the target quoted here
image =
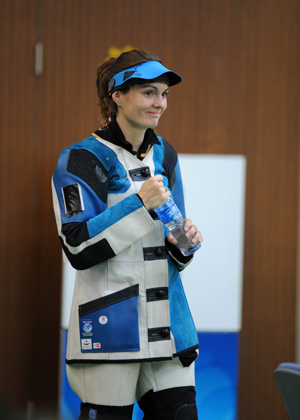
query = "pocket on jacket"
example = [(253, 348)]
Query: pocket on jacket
[(110, 323)]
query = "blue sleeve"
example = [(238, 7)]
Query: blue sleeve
[(89, 232), (177, 191), (171, 167)]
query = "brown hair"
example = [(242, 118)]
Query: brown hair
[(108, 69)]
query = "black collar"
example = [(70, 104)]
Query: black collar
[(114, 134)]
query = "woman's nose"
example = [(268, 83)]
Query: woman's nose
[(160, 101)]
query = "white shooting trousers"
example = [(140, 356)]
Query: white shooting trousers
[(119, 384)]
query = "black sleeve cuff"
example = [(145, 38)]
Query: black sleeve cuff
[(177, 253), (141, 200)]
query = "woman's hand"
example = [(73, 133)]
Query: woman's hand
[(190, 231), (153, 192)]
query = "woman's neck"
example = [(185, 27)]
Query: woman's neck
[(133, 135)]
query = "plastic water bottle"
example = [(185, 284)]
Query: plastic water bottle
[(172, 218)]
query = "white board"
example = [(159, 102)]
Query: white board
[(214, 189)]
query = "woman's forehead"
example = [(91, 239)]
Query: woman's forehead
[(160, 86)]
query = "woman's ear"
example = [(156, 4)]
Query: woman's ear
[(116, 96)]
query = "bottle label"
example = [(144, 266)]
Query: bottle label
[(169, 213)]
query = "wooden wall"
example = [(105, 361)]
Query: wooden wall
[(240, 94)]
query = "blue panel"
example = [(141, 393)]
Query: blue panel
[(69, 403), (216, 377), (216, 380), (115, 333)]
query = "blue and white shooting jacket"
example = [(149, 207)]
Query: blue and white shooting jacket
[(129, 304)]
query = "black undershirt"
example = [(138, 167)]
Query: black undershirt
[(114, 135)]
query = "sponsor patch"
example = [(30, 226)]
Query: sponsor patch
[(86, 344), (87, 328), (92, 414), (103, 319), (96, 345)]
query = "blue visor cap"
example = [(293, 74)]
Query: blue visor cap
[(151, 70)]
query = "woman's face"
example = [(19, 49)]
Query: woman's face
[(142, 106)]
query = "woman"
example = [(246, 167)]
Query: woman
[(131, 334)]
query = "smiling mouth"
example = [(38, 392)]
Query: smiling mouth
[(156, 114)]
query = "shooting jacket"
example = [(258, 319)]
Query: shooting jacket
[(129, 303)]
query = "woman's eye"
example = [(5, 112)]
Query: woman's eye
[(151, 93)]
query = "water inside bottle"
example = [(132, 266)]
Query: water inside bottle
[(185, 244), (179, 234)]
